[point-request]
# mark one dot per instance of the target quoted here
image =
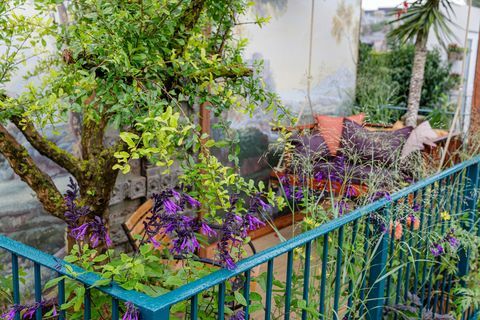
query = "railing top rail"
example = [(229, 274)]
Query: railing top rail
[(80, 275), (184, 292)]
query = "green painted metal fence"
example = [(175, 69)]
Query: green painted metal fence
[(354, 267)]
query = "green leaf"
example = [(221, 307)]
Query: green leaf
[(240, 298)]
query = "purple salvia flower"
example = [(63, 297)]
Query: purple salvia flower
[(73, 212), (192, 201), (176, 194), (79, 232), (131, 313), (12, 311), (207, 230), (170, 206), (252, 223), (239, 315), (437, 250)]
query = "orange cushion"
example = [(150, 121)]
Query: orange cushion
[(331, 129)]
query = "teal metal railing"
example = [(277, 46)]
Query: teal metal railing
[(353, 267)]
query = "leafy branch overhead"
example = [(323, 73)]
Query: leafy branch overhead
[(137, 68)]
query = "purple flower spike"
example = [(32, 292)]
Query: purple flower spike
[(170, 206), (12, 311), (192, 201), (131, 313), (416, 207), (207, 230), (437, 250), (253, 223)]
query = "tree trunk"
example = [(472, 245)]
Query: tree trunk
[(416, 80), (474, 129)]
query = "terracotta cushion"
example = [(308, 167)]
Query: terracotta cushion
[(331, 129)]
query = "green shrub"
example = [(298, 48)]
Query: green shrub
[(383, 78)]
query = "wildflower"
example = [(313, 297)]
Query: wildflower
[(131, 313), (452, 240), (239, 315), (454, 243), (342, 207), (437, 250), (416, 207), (397, 229), (411, 219), (445, 215)]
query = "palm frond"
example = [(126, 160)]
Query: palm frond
[(422, 17)]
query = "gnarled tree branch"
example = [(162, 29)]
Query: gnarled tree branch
[(48, 148), (24, 166)]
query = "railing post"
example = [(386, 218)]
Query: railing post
[(470, 209), (162, 314), (376, 279)]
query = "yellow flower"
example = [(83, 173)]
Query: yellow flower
[(445, 215)]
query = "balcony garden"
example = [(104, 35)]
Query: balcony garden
[(361, 217)]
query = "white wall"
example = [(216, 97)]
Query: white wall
[(284, 44), (459, 26)]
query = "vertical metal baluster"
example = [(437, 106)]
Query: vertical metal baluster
[(410, 243), (87, 304), (15, 284), (449, 285), (364, 267), (115, 313), (288, 283), (336, 298), (352, 263), (306, 276), (323, 282), (221, 301), (61, 297), (38, 289), (391, 253), (268, 297), (419, 239), (424, 273), (246, 293), (399, 277), (437, 219), (443, 182), (194, 307)]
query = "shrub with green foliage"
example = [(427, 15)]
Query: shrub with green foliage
[(384, 77)]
